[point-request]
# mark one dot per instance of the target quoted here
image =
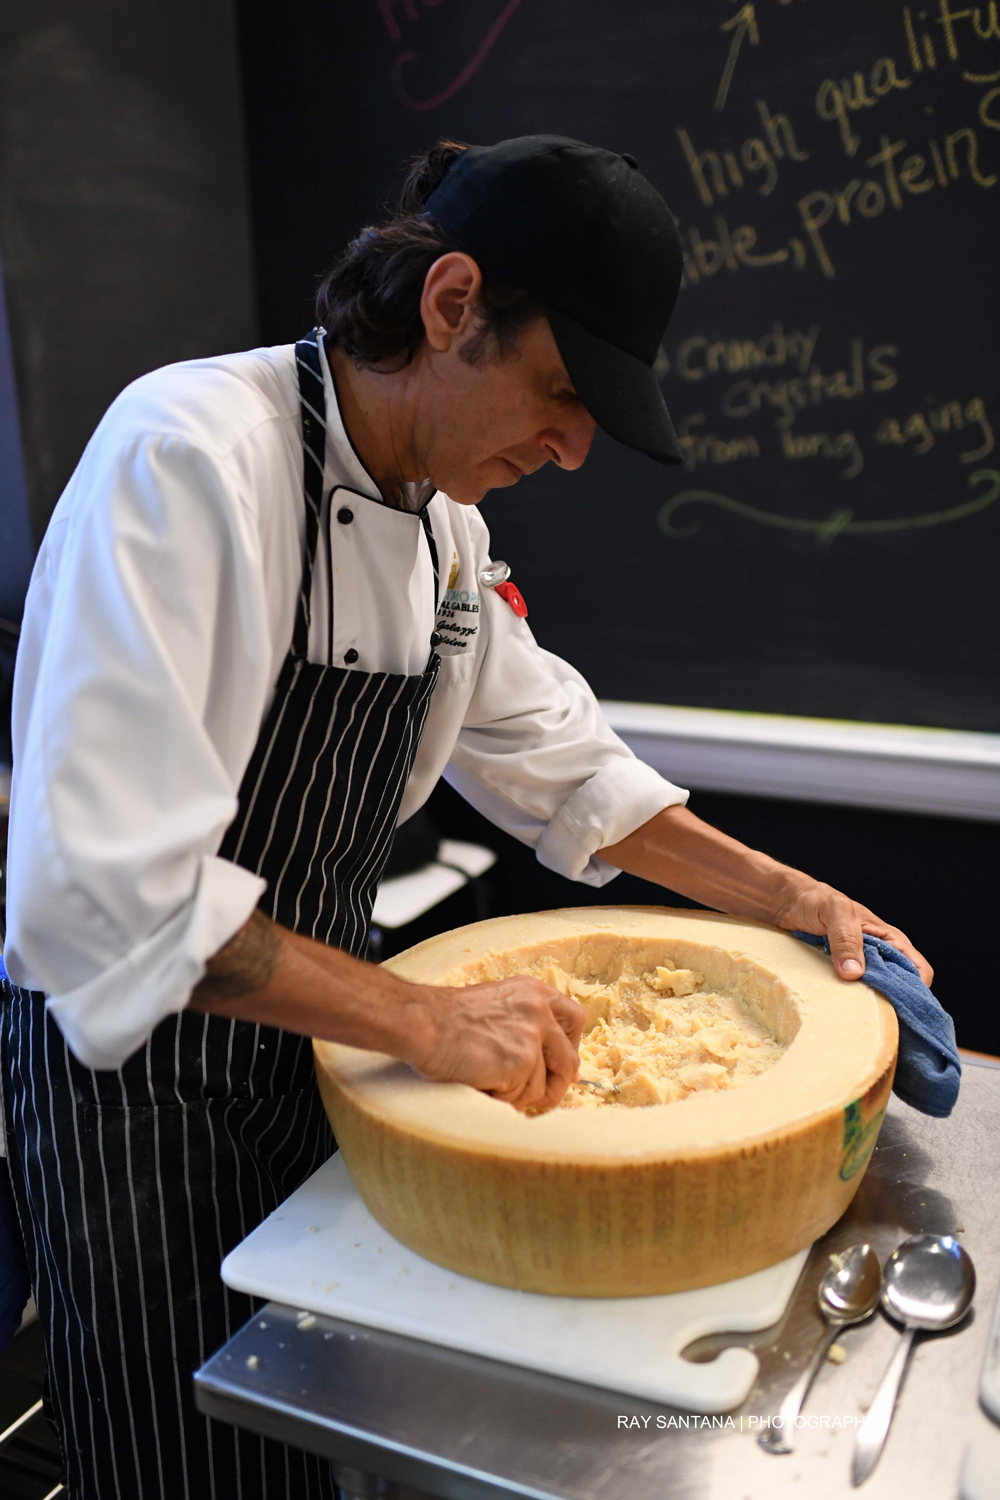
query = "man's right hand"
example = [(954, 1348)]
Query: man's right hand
[(516, 1039)]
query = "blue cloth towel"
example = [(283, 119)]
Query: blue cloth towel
[(928, 1071)]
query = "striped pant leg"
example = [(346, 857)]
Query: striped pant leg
[(124, 1212)]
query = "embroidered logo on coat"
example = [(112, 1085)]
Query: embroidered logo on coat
[(457, 620)]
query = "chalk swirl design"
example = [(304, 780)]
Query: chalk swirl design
[(840, 523)]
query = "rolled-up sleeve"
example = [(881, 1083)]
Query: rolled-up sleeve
[(536, 756), (142, 675)]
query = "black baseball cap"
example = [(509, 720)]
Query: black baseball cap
[(584, 233)]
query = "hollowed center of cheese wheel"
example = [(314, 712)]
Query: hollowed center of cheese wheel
[(661, 1035), (665, 1021)]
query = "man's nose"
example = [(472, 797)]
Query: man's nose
[(569, 445)]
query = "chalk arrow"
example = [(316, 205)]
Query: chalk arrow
[(743, 24)]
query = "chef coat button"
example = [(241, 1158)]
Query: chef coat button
[(345, 516), (350, 657), (435, 641)]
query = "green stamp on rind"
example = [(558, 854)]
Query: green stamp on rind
[(859, 1139)]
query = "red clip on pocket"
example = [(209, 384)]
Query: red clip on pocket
[(512, 594)]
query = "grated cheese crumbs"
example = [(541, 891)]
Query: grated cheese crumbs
[(660, 1037)]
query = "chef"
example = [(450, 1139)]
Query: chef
[(263, 622)]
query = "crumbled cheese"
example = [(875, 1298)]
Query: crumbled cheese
[(836, 1354), (659, 1037), (671, 981)]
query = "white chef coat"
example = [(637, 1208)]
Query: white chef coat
[(158, 617)]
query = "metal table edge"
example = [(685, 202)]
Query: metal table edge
[(217, 1397)]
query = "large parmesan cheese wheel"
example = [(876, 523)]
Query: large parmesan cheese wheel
[(618, 1201)]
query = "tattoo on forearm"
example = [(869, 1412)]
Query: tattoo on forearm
[(245, 964)]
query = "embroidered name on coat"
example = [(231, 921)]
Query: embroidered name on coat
[(458, 617)]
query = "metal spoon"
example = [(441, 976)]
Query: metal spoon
[(597, 1083), (928, 1283), (848, 1293)]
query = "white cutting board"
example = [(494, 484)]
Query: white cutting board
[(323, 1251)]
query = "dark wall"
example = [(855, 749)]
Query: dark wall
[(936, 878), (123, 225)]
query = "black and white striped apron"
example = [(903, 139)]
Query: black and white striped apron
[(133, 1185)]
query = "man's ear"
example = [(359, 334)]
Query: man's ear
[(449, 299)]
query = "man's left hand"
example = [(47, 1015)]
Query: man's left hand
[(818, 908)]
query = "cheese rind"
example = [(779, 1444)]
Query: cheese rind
[(624, 1201)]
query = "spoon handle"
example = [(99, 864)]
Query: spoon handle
[(778, 1437), (871, 1437)]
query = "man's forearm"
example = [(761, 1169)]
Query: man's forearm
[(515, 1038), (677, 850), (267, 974)]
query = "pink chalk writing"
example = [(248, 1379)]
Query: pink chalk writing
[(408, 12)]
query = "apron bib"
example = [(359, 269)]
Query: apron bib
[(132, 1185)]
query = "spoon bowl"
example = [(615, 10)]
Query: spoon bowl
[(848, 1293), (928, 1283), (850, 1288)]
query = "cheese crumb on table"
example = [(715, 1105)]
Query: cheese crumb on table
[(660, 1037)]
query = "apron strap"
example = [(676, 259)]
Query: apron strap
[(425, 522), (312, 408)]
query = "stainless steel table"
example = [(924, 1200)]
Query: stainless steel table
[(462, 1427)]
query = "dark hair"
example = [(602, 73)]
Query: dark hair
[(369, 303)]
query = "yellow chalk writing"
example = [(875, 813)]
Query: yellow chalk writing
[(919, 430), (698, 356), (789, 396), (959, 155), (985, 24), (820, 445), (716, 173), (705, 447), (743, 24)]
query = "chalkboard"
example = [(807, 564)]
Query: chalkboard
[(831, 545)]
